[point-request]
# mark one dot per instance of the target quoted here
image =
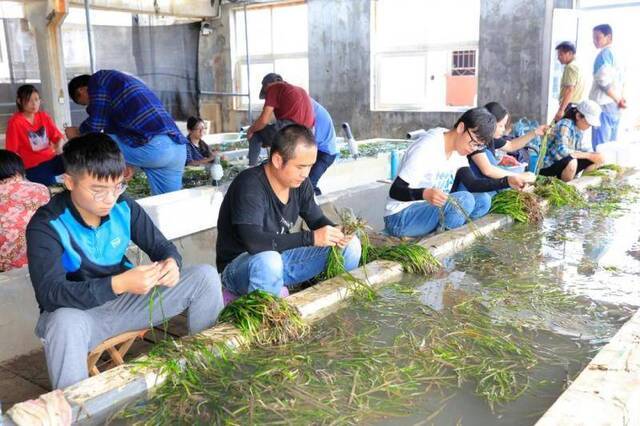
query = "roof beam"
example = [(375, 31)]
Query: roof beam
[(196, 9)]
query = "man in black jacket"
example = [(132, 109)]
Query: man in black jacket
[(87, 289), (256, 249)]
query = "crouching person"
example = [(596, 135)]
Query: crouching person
[(256, 248), (418, 198), (566, 155), (86, 288)]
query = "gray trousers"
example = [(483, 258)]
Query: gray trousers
[(69, 334)]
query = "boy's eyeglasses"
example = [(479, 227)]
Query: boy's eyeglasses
[(102, 194), (474, 143)]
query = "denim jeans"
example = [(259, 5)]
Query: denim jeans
[(45, 173), (421, 218), (608, 130), (161, 159), (270, 270), (323, 162)]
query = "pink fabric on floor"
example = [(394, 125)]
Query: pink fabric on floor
[(229, 297)]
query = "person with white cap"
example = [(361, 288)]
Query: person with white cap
[(565, 156)]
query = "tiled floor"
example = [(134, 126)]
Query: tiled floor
[(26, 377)]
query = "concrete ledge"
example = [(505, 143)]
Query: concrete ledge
[(95, 399), (607, 392), (184, 212)]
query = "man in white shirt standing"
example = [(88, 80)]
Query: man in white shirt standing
[(607, 87)]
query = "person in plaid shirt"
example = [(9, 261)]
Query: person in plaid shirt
[(127, 110), (564, 158)]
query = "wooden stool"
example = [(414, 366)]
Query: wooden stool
[(124, 340)]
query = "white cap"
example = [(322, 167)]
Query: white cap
[(591, 112)]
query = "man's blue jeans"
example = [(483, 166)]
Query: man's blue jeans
[(323, 162), (608, 130), (421, 218), (161, 159), (270, 270)]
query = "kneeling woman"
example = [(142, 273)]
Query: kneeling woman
[(564, 158), (427, 174), (484, 162), (32, 134)]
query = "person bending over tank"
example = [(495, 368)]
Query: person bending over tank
[(86, 288), (289, 104), (325, 135), (256, 247), (484, 162), (431, 167), (125, 108)]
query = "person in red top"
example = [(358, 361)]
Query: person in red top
[(288, 103), (19, 200), (33, 135)]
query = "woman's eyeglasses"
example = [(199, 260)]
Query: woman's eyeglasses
[(474, 143)]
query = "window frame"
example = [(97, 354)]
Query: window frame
[(240, 103), (416, 50)]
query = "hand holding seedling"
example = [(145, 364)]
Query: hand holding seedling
[(327, 236), (542, 129), (435, 196), (138, 280), (169, 273), (516, 182)]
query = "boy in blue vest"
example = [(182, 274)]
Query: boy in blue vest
[(86, 288)]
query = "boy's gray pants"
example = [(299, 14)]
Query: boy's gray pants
[(69, 334)]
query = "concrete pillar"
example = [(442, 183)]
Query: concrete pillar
[(46, 18)]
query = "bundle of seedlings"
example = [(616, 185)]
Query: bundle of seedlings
[(522, 206), (558, 193), (264, 318), (596, 173), (352, 225), (616, 168), (543, 148), (414, 258)]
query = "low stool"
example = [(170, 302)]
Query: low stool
[(116, 347)]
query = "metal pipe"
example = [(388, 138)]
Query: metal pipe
[(246, 46), (12, 78), (90, 37), (206, 92)]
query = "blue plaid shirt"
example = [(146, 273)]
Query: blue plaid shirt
[(122, 105), (564, 139)]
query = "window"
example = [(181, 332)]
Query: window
[(464, 62), (424, 55), (278, 42)]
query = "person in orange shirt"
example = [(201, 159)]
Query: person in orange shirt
[(33, 135)]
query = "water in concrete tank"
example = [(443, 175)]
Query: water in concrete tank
[(559, 291)]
